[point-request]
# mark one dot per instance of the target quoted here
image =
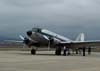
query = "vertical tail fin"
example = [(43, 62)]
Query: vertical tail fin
[(81, 37)]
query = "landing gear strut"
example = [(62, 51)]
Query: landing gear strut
[(58, 51), (33, 51)]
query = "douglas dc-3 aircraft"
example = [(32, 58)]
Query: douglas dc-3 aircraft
[(39, 37)]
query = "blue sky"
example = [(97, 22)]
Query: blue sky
[(66, 17)]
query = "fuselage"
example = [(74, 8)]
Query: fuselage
[(43, 36)]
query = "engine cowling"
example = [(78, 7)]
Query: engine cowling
[(26, 41), (29, 33), (30, 43)]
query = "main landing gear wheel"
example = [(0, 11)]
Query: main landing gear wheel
[(58, 51), (33, 51)]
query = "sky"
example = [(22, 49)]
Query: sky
[(65, 17)]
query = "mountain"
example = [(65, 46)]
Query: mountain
[(7, 43), (8, 38)]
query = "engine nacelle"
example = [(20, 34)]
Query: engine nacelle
[(53, 41), (30, 43)]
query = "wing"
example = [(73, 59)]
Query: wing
[(78, 44), (13, 41)]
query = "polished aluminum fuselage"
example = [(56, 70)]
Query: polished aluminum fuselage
[(43, 37)]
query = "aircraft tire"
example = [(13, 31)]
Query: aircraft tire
[(33, 51), (58, 51)]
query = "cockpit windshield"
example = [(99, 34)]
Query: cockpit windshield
[(36, 29), (49, 32)]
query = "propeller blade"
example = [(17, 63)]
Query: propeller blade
[(45, 37), (21, 37), (24, 45)]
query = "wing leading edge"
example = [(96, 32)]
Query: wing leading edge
[(80, 44)]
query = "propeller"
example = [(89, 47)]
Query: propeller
[(21, 37), (24, 41), (50, 41), (49, 44)]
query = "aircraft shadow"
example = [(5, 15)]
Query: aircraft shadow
[(43, 54), (38, 54)]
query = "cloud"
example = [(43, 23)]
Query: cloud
[(67, 17)]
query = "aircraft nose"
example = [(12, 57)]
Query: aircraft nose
[(29, 33)]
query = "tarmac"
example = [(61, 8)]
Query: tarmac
[(47, 61)]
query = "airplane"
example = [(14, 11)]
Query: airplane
[(40, 37)]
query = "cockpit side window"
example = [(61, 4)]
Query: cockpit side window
[(39, 30)]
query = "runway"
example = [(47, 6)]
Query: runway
[(47, 61)]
